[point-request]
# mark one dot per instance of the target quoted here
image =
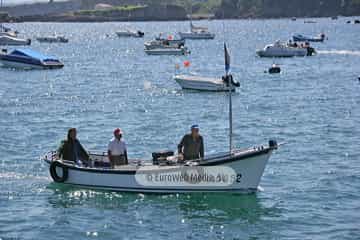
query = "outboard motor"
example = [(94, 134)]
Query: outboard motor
[(161, 156), (273, 144), (310, 51), (140, 33), (229, 79)]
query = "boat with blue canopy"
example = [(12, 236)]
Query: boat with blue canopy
[(28, 59)]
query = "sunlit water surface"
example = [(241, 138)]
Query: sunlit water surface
[(310, 186)]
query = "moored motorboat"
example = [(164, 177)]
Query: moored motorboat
[(130, 33), (13, 41), (53, 39), (302, 38), (4, 31), (170, 40), (154, 44), (285, 50), (28, 59), (197, 33), (200, 83)]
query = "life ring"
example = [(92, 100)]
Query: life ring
[(54, 174)]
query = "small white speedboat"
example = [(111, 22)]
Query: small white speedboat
[(13, 41), (200, 83), (284, 50), (197, 33), (53, 39), (28, 59), (167, 51), (130, 33)]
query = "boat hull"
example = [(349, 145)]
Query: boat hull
[(22, 65), (247, 165), (165, 51), (192, 35), (306, 39), (298, 52), (12, 41)]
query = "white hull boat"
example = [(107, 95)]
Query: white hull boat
[(13, 41), (130, 33), (283, 50), (197, 33), (167, 51), (200, 83), (243, 168)]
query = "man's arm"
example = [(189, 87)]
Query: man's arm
[(126, 157), (109, 151), (181, 145), (84, 152), (202, 148), (60, 150)]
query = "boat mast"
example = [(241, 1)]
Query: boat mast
[(229, 82)]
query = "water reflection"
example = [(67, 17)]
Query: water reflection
[(218, 208)]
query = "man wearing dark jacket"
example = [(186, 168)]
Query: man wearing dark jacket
[(71, 149), (192, 145)]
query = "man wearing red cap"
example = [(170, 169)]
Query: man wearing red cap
[(117, 149)]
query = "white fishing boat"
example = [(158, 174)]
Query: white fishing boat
[(155, 44), (167, 51), (160, 42), (237, 170), (53, 39), (130, 33), (285, 50), (13, 41)]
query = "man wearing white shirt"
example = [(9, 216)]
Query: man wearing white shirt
[(117, 150)]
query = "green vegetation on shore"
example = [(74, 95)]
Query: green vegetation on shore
[(110, 11)]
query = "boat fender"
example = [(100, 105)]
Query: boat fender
[(54, 175)]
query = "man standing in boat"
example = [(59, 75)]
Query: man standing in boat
[(117, 149), (71, 149), (191, 145)]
